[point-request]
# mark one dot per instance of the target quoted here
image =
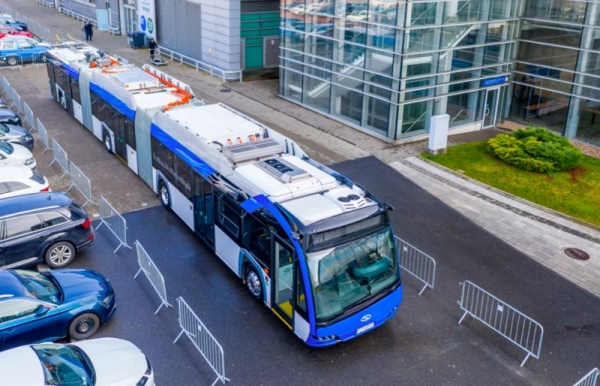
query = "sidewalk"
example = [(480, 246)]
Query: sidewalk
[(539, 233)]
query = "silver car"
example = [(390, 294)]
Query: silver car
[(16, 134)]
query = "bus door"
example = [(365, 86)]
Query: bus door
[(118, 126), (282, 258), (204, 219)]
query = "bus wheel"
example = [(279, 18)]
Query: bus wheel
[(107, 143), (163, 193), (253, 283)]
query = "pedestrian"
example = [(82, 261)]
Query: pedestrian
[(89, 32), (85, 20), (152, 45)]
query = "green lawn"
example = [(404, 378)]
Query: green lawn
[(575, 192)]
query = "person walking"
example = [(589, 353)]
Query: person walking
[(152, 45)]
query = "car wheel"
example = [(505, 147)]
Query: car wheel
[(253, 283), (43, 58), (107, 142), (12, 61), (60, 254), (84, 326), (163, 192)]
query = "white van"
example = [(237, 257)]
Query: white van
[(12, 154), (18, 180)]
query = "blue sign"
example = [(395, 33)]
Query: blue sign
[(494, 81), (143, 23)]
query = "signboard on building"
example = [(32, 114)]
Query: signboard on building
[(494, 81), (146, 17)]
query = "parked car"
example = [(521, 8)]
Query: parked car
[(3, 104), (16, 134), (9, 20), (8, 30), (46, 306), (98, 362), (20, 180), (42, 227), (18, 49), (10, 117), (12, 154)]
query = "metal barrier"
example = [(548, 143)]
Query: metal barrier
[(43, 135), (76, 15), (47, 3), (16, 100), (502, 318), (204, 341), (28, 115), (114, 221), (60, 156), (198, 65), (590, 379), (81, 182), (153, 274), (417, 263), (5, 86)]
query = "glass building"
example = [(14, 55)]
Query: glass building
[(387, 66)]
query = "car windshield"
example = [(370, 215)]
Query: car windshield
[(6, 147), (65, 365), (4, 128), (351, 273), (39, 286)]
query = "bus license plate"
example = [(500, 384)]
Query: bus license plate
[(365, 328)]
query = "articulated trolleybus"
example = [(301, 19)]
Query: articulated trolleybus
[(315, 247)]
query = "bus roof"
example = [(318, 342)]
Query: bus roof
[(259, 160), (145, 87)]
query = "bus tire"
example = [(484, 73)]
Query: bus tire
[(253, 283), (163, 194), (107, 142)]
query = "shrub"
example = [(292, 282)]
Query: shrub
[(535, 149)]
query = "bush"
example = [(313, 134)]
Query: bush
[(535, 149)]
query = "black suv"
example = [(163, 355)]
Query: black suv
[(38, 227)]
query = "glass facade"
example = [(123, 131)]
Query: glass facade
[(387, 66)]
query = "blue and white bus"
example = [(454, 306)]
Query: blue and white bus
[(309, 243)]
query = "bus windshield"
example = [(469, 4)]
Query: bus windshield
[(351, 273)]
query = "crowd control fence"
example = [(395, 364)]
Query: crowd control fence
[(418, 264), (507, 321), (153, 274), (16, 100), (590, 379), (113, 221), (204, 341), (6, 87), (43, 135), (60, 156), (28, 116), (81, 182)]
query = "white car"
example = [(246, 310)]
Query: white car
[(18, 180), (12, 154), (98, 362)]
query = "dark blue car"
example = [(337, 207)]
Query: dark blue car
[(10, 21), (41, 307)]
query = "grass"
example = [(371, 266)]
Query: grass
[(575, 192)]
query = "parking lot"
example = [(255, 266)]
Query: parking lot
[(423, 344)]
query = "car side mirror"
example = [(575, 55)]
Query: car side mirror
[(41, 310)]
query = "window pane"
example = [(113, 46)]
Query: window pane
[(21, 225), (52, 218)]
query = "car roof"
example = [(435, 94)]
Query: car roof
[(33, 202), (10, 285), (11, 173)]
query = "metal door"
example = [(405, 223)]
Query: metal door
[(490, 109)]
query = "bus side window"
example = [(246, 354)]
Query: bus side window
[(256, 238), (229, 217)]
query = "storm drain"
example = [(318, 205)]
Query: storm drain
[(576, 253)]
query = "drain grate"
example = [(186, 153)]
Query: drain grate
[(576, 254)]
